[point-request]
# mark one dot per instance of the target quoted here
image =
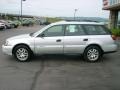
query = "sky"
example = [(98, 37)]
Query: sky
[(55, 8)]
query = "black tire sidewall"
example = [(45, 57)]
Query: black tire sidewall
[(25, 47), (86, 51)]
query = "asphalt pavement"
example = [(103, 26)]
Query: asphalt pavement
[(57, 72)]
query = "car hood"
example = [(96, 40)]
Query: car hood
[(19, 37)]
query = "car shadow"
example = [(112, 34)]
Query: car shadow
[(66, 58), (58, 57), (73, 59)]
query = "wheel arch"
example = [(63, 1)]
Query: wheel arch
[(21, 44), (95, 45)]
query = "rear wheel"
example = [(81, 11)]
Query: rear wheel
[(92, 53), (22, 53)]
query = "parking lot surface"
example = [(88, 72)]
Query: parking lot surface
[(57, 72)]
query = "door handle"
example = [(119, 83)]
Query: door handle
[(85, 39), (59, 40)]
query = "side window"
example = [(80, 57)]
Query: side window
[(74, 30), (54, 31), (90, 29), (95, 30), (102, 30), (81, 30)]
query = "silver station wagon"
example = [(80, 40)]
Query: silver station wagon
[(89, 39)]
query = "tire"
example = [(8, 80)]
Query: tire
[(22, 53), (16, 26), (92, 54)]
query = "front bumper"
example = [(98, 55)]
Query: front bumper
[(7, 49)]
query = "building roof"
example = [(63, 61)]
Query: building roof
[(112, 7), (111, 4)]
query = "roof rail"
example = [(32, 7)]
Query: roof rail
[(81, 21)]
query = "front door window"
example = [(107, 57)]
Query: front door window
[(54, 31)]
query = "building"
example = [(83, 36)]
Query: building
[(114, 7)]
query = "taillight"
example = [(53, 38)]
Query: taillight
[(114, 37)]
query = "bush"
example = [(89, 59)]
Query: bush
[(46, 23), (116, 32), (52, 20)]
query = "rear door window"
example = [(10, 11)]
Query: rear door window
[(74, 30)]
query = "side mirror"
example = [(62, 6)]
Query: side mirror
[(42, 35)]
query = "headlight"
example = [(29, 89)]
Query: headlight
[(7, 43)]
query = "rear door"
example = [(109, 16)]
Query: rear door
[(75, 39), (98, 34)]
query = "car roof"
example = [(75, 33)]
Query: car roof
[(76, 22)]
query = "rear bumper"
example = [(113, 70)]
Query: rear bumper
[(110, 48)]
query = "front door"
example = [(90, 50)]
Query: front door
[(51, 41)]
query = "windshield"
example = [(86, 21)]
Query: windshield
[(39, 31)]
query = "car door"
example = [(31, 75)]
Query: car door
[(75, 39), (50, 41)]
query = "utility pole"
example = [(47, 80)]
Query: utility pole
[(75, 13), (21, 9)]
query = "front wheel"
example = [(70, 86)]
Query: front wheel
[(22, 53), (92, 53)]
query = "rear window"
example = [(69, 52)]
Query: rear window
[(96, 30)]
